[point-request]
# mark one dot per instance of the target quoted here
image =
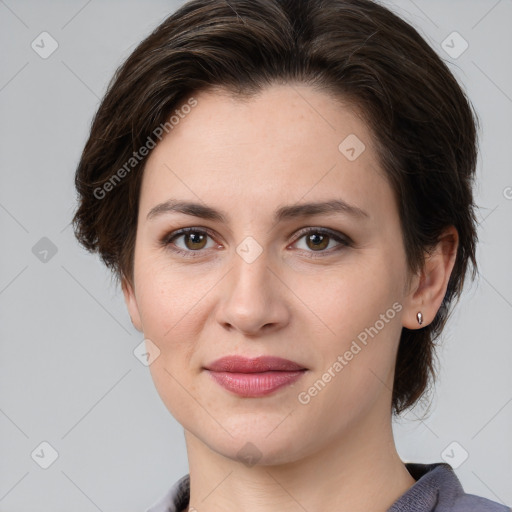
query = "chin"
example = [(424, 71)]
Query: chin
[(258, 447)]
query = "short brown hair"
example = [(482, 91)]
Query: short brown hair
[(423, 125)]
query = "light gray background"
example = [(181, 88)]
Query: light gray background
[(68, 373)]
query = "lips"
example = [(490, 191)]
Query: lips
[(254, 377), (239, 364)]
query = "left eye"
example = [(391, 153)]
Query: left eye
[(318, 239)]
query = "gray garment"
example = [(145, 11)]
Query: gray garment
[(437, 489)]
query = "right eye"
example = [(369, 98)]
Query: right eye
[(193, 240)]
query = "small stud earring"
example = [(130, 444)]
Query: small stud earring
[(419, 316)]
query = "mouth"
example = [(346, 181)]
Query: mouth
[(240, 364), (254, 377)]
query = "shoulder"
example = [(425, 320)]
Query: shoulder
[(438, 484), (472, 503), (175, 499)]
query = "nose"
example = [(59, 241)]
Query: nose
[(255, 298)]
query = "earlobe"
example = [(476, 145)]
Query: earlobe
[(430, 286), (131, 304)]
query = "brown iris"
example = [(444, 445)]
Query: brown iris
[(318, 240), (197, 240)]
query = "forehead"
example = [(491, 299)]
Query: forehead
[(287, 144)]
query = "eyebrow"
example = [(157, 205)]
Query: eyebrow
[(283, 213)]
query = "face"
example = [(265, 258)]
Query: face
[(322, 289)]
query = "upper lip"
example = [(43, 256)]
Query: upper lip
[(242, 364)]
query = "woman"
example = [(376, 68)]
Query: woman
[(283, 189)]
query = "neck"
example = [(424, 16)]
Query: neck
[(360, 472)]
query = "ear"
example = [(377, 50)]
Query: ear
[(428, 288), (131, 304)]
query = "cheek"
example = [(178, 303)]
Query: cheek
[(166, 297), (168, 306), (357, 314), (344, 301)]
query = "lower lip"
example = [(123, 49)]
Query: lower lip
[(255, 384)]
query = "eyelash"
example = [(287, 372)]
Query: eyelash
[(344, 241)]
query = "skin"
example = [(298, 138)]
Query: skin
[(248, 158)]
